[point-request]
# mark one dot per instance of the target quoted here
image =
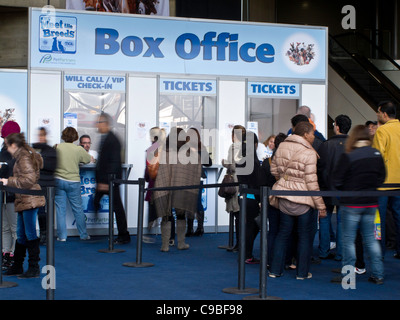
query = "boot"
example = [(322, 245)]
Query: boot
[(189, 231), (33, 260), (180, 234), (16, 268), (165, 235), (200, 222)]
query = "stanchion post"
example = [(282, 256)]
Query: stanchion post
[(111, 248), (50, 261), (264, 192), (3, 284), (139, 263), (242, 248)]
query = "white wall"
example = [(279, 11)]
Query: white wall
[(45, 103), (315, 97), (141, 108), (231, 110)]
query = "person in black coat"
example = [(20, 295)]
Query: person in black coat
[(109, 163), (49, 156), (329, 153), (9, 230), (360, 168)]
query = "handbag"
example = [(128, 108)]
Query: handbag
[(227, 191)]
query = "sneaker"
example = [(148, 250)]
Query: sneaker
[(62, 240), (309, 276), (360, 271), (87, 238), (252, 261), (332, 245), (273, 275), (375, 280)]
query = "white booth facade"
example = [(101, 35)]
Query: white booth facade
[(151, 71)]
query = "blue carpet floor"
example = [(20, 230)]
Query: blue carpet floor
[(200, 273)]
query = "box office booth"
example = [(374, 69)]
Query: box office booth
[(151, 71)]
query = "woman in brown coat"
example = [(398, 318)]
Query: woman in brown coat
[(25, 176), (180, 165), (295, 168)]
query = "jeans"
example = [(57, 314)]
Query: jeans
[(363, 218), (325, 226), (304, 232), (394, 203), (26, 226), (71, 192)]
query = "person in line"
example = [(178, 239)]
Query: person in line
[(360, 168), (295, 168), (387, 142), (68, 186), (25, 176), (253, 181), (86, 142), (306, 111), (193, 137), (372, 126), (157, 137), (109, 163), (9, 231), (329, 153), (46, 179), (174, 172), (235, 155), (273, 213)]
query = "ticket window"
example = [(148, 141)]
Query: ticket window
[(193, 107), (86, 97), (271, 116)]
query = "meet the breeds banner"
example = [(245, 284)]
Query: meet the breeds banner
[(157, 7), (87, 40)]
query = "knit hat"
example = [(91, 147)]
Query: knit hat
[(9, 127)]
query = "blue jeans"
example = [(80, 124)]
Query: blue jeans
[(325, 227), (71, 192), (394, 203), (26, 225), (363, 218), (304, 232)]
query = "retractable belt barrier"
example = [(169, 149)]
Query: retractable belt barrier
[(264, 193)]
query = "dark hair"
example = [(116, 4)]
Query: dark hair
[(302, 128), (279, 138), (175, 144), (197, 137), (389, 107), (344, 123), (19, 140), (69, 134), (84, 136), (359, 132), (298, 118), (107, 118), (235, 132)]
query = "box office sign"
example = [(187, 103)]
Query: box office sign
[(131, 43)]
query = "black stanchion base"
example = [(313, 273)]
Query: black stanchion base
[(111, 251), (224, 247), (260, 298), (240, 291), (8, 284), (138, 265)]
